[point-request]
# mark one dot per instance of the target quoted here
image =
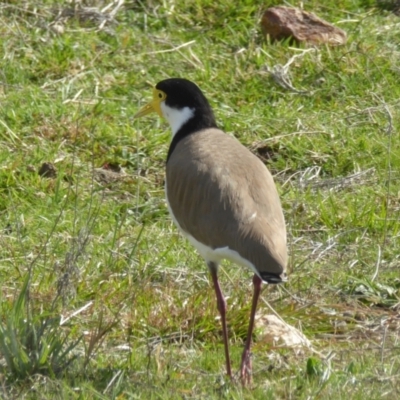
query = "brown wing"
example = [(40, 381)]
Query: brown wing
[(223, 195)]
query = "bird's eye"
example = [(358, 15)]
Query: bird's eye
[(159, 95)]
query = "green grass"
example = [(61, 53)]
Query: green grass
[(90, 262)]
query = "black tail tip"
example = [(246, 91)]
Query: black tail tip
[(273, 278)]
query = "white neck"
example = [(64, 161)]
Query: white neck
[(176, 118)]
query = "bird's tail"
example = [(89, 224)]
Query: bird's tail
[(271, 278)]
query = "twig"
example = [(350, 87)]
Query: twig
[(281, 76), (378, 262), (279, 137), (118, 373), (389, 131), (112, 13), (78, 75), (75, 313), (169, 50), (75, 98), (383, 341)]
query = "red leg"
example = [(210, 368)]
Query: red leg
[(221, 304), (245, 369)]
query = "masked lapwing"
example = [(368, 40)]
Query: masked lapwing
[(221, 197)]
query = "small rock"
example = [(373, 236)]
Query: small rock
[(277, 332), (319, 81), (47, 170), (107, 176), (285, 22), (57, 28)]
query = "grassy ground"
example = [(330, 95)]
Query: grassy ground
[(100, 297)]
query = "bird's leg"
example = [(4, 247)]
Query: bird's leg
[(245, 369), (221, 304)]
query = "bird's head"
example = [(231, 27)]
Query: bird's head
[(181, 103)]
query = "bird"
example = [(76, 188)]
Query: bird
[(222, 198)]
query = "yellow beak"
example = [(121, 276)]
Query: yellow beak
[(152, 106)]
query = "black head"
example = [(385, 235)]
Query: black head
[(184, 93), (181, 93)]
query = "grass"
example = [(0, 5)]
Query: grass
[(118, 304)]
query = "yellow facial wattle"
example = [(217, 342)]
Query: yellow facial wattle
[(153, 106)]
